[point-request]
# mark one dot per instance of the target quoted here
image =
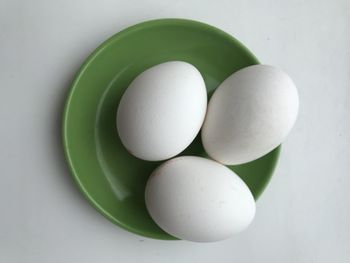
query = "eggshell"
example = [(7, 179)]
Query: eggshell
[(250, 114), (198, 199), (162, 111)]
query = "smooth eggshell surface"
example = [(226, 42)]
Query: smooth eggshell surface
[(197, 199), (162, 111), (250, 114)]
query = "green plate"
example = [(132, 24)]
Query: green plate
[(111, 179)]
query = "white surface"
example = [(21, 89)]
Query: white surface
[(303, 216), (197, 199), (249, 114), (162, 111)]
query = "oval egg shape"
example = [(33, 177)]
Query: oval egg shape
[(197, 199), (162, 111), (249, 114)]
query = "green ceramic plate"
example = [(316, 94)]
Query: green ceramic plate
[(111, 179)]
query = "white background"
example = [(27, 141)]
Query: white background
[(303, 216)]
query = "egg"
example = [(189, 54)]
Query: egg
[(162, 111), (249, 114), (198, 199)]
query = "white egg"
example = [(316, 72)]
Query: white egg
[(250, 114), (197, 199), (162, 111)]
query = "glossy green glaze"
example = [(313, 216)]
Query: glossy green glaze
[(111, 179)]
